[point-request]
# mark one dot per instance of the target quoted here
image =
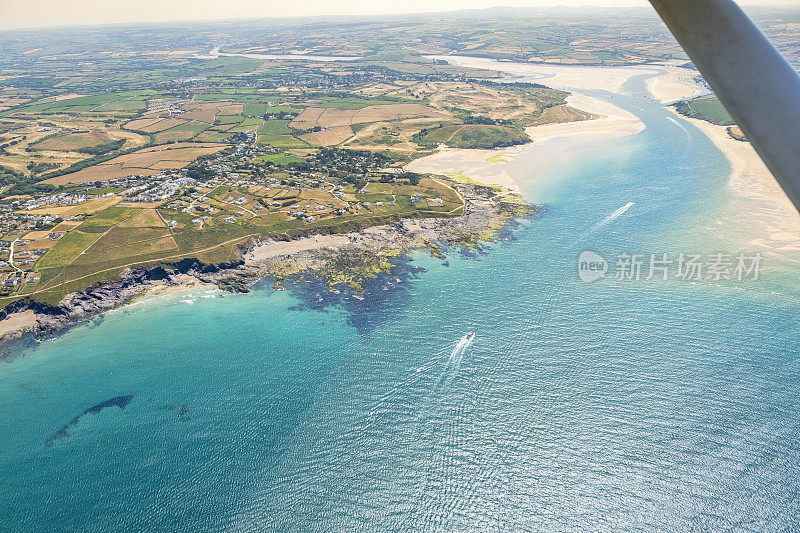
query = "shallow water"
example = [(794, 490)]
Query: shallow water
[(615, 405)]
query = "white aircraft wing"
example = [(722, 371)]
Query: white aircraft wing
[(758, 87)]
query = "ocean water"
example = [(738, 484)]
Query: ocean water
[(615, 405)]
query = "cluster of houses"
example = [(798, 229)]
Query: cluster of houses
[(160, 192), (174, 107), (58, 199), (12, 224), (16, 278)]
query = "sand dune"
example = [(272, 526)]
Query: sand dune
[(493, 167), (769, 221)]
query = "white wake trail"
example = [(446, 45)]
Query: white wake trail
[(610, 218), (681, 126)]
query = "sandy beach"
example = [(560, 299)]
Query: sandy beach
[(272, 249), (493, 167), (16, 323), (676, 83), (770, 221), (566, 77)]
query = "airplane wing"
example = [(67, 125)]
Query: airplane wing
[(757, 86)]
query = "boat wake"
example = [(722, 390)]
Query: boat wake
[(461, 347), (681, 126), (610, 218), (451, 367), (456, 356)]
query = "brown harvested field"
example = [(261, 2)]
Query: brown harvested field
[(308, 118), (67, 225), (396, 112), (43, 243), (206, 112), (330, 116), (147, 162), (86, 208), (170, 152), (162, 124), (146, 218), (132, 138), (73, 141), (166, 164), (34, 235), (142, 123), (177, 146), (202, 112), (328, 137), (101, 173), (230, 109), (380, 88), (174, 135)]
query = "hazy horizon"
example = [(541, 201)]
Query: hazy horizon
[(42, 13)]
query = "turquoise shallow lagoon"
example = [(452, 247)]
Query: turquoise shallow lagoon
[(616, 405)]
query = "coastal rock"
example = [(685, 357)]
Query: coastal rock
[(356, 254)]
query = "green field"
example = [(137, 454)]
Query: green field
[(259, 110), (67, 249), (472, 136), (212, 136), (107, 218), (228, 119), (123, 102), (275, 127), (181, 132), (282, 159), (248, 124), (707, 108), (282, 141)]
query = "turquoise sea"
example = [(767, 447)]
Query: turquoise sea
[(616, 405)]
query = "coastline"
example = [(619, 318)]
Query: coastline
[(770, 222), (676, 83), (491, 167), (760, 205), (560, 76), (491, 186), (341, 259)]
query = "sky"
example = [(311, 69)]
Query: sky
[(40, 13)]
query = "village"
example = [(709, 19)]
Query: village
[(238, 189)]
